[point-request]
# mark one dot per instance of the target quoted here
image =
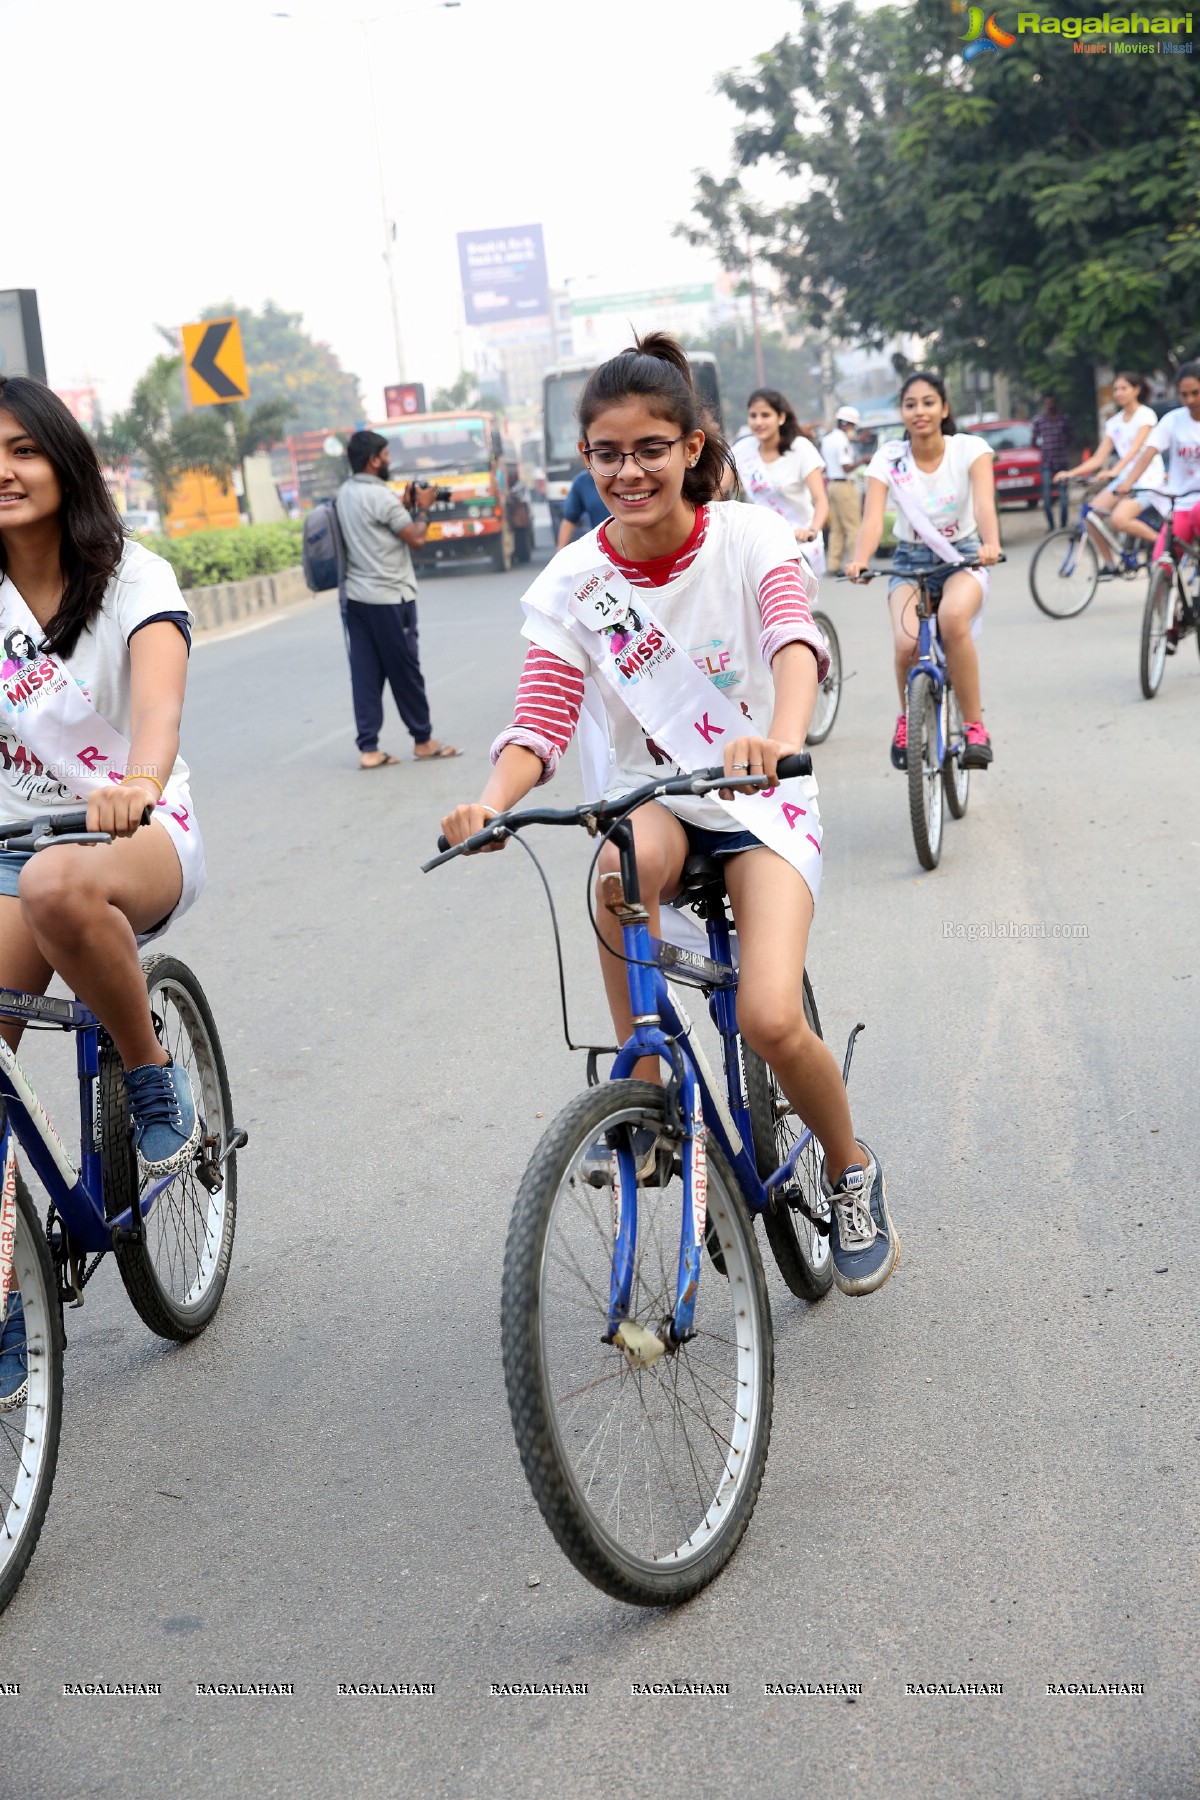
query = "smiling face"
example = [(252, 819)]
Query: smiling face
[(1189, 394), (923, 410), (1124, 392), (764, 422), (636, 497), (29, 486)]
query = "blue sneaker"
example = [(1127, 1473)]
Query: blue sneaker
[(166, 1129), (863, 1242), (14, 1356)]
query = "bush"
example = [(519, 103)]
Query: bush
[(209, 557)]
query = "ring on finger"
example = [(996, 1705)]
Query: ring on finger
[(745, 766)]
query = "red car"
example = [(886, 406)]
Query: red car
[(1017, 462)]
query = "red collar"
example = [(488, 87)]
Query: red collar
[(657, 571)]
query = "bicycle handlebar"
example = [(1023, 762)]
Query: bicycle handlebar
[(65, 828), (700, 781), (917, 574)]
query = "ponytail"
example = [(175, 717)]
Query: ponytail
[(657, 371)]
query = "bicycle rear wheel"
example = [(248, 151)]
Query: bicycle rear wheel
[(799, 1248), (1064, 573), (829, 693), (175, 1272), (30, 1423), (924, 771), (1156, 621), (646, 1476)]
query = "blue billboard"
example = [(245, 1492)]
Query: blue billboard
[(503, 274)]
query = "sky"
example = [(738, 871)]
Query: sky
[(164, 157)]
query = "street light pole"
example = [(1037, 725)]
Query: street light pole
[(389, 226)]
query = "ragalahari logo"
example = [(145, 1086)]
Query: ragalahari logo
[(983, 34)]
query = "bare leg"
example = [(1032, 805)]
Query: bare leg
[(902, 604), (82, 906), (662, 847), (774, 909), (961, 600), (1125, 518)]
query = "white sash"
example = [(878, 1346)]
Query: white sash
[(762, 490), (8, 1224), (83, 752), (901, 480), (684, 713)]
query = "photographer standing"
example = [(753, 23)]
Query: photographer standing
[(381, 601)]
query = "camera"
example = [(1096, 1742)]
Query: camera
[(440, 494)]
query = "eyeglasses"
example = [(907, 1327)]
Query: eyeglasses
[(650, 457)]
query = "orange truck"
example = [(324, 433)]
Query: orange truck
[(463, 452)]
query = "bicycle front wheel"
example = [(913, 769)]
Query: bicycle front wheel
[(647, 1476), (175, 1272), (1064, 573), (956, 781), (830, 691), (31, 1417), (1156, 622), (799, 1248), (924, 771)]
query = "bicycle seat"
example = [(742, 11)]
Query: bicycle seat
[(703, 879)]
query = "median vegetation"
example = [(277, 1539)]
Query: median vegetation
[(207, 558)]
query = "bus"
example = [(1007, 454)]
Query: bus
[(463, 453), (561, 389)]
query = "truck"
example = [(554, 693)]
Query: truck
[(561, 389), (464, 454)]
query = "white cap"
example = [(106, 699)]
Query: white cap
[(849, 413)]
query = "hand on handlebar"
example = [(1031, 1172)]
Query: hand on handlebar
[(465, 821), (123, 808), (988, 554), (752, 756), (855, 571)]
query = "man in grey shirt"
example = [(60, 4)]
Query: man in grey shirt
[(378, 535)]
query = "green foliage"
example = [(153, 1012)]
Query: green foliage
[(208, 557), (460, 396), (152, 432), (793, 368), (285, 364), (1032, 211)]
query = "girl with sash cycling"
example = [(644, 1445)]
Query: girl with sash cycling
[(1177, 437), (941, 484), (692, 622), (779, 468), (1124, 436)]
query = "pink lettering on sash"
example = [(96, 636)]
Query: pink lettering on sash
[(181, 818), (792, 813), (90, 756), (765, 793), (812, 840), (708, 731)]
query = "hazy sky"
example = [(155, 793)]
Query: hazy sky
[(166, 156)]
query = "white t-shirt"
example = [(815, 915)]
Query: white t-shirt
[(835, 448), (142, 586), (945, 493), (781, 485), (1121, 432), (1178, 435), (711, 610)]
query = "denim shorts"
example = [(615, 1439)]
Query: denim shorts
[(11, 864), (718, 844), (919, 559)]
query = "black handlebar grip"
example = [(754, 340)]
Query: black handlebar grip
[(147, 814), (443, 841), (800, 763)]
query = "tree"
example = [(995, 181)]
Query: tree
[(150, 433), (220, 438), (1012, 209), (285, 363), (459, 396), (792, 367)]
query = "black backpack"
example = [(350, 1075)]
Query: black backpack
[(324, 551)]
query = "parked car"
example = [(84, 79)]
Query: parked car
[(1017, 461)]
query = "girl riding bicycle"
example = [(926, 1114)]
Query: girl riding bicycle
[(726, 584), (97, 636), (940, 481), (779, 468), (1177, 434), (1124, 436)]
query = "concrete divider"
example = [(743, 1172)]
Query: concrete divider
[(233, 602)]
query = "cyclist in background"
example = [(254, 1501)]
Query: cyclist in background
[(781, 469), (941, 483), (727, 586), (1124, 435), (1177, 437)]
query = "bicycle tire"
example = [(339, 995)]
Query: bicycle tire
[(829, 693), (1059, 595), (924, 771), (956, 781), (203, 1222), (801, 1251), (30, 1431), (1156, 620), (595, 1528)]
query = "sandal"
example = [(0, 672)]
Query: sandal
[(385, 759), (441, 754)]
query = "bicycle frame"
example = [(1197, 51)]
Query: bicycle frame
[(931, 661), (77, 1194), (661, 1028)]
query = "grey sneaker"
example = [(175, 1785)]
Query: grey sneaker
[(651, 1155), (864, 1245)]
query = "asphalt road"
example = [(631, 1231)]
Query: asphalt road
[(987, 1473)]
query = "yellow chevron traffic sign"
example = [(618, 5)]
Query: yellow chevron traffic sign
[(215, 362)]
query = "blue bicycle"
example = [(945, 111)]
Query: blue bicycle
[(172, 1236), (1066, 566), (641, 1385)]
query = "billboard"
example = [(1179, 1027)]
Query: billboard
[(503, 274), (405, 397), (20, 334)]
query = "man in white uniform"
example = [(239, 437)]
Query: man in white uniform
[(845, 507)]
